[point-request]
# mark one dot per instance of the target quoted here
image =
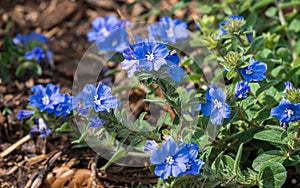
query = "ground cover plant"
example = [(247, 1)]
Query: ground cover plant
[(207, 100)]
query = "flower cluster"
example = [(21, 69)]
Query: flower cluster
[(151, 55), (286, 111), (109, 34), (92, 100), (174, 158), (169, 30)]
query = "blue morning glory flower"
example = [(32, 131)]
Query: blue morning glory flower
[(288, 86), (169, 30), (254, 71), (170, 160), (24, 39), (36, 53), (45, 97), (41, 128), (241, 89), (62, 108), (233, 23), (24, 114), (286, 111), (96, 122), (103, 99), (215, 105), (151, 145), (194, 165)]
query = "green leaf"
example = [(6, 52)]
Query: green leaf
[(256, 44), (275, 136), (237, 160), (231, 74), (272, 175), (28, 66), (271, 12), (292, 72), (267, 157), (266, 86)]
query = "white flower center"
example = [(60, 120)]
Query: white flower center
[(59, 108), (105, 32), (289, 112), (249, 70), (150, 56), (217, 104), (114, 43), (170, 33), (45, 100), (169, 160), (97, 101), (188, 165)]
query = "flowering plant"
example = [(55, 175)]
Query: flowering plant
[(226, 114)]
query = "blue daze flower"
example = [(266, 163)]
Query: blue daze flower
[(170, 160), (46, 97), (151, 145), (24, 114), (41, 129), (215, 105), (241, 89), (96, 122), (36, 53), (286, 111), (24, 39), (194, 165), (169, 30), (254, 71), (62, 108), (234, 23), (108, 35), (152, 55), (288, 86), (103, 100)]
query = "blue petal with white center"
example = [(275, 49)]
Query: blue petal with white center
[(254, 71), (286, 111)]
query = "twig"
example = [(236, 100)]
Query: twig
[(38, 181), (130, 34), (288, 36), (14, 146)]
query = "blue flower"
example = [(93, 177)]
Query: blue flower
[(170, 160), (62, 108), (24, 39), (254, 71), (103, 99), (151, 145), (232, 24), (148, 54), (169, 30), (151, 55), (194, 165), (172, 68), (41, 129), (108, 35), (215, 105), (286, 111), (45, 98), (96, 122), (24, 114), (83, 111), (36, 53), (241, 89), (288, 86)]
